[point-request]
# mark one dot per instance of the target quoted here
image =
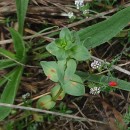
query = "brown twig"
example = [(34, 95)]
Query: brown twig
[(69, 25), (49, 112)]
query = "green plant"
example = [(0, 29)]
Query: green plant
[(17, 61), (9, 126), (102, 32), (68, 50), (72, 47), (127, 116)]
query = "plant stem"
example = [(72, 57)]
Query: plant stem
[(58, 94)]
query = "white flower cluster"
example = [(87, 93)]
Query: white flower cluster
[(86, 11), (70, 15), (96, 64), (95, 90), (26, 95), (79, 3)]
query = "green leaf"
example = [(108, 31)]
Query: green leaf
[(55, 91), (7, 54), (21, 6), (100, 33), (50, 70), (65, 34), (6, 63), (45, 102), (70, 70), (18, 44), (82, 75), (10, 90), (61, 54), (75, 38), (58, 52), (61, 70), (80, 53), (52, 48), (74, 86), (6, 78), (104, 80)]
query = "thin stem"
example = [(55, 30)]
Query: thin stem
[(50, 112), (58, 94)]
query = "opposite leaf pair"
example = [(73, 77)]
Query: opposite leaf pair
[(63, 72)]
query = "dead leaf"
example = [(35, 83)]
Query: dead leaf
[(114, 116)]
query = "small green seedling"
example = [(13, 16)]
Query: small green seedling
[(68, 50)]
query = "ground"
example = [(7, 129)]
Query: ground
[(104, 111)]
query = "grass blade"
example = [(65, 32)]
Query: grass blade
[(19, 45), (7, 54), (10, 90), (21, 6), (104, 80), (101, 79), (6, 63), (100, 33), (6, 78)]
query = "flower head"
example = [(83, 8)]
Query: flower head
[(70, 15), (96, 64), (86, 11), (95, 90), (26, 95), (79, 3)]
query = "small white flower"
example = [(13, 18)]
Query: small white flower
[(86, 11), (28, 94), (79, 3), (70, 15), (96, 64), (95, 90), (25, 95)]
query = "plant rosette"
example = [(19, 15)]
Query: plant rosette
[(68, 46)]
